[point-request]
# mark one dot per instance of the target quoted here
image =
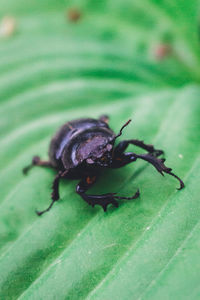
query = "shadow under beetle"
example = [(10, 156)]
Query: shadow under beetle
[(83, 148)]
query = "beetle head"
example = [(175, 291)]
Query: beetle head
[(101, 155), (95, 149), (103, 152)]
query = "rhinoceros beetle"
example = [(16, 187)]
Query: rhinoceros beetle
[(83, 148)]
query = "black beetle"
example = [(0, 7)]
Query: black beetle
[(82, 148)]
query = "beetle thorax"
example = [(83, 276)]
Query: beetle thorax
[(94, 150)]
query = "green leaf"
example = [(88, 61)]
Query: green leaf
[(53, 70)]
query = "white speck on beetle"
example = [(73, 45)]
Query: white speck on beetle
[(180, 156), (148, 228)]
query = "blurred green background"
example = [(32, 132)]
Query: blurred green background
[(60, 60)]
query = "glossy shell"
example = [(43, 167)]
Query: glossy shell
[(73, 141)]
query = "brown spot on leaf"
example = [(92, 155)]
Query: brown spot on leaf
[(7, 26), (162, 51), (73, 15)]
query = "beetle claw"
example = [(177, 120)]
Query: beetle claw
[(106, 199), (39, 213), (160, 166)]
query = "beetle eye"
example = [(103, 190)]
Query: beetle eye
[(89, 161)]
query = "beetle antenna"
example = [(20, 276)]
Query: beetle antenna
[(120, 132)]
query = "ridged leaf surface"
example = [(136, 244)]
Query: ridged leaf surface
[(53, 70)]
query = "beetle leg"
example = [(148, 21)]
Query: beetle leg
[(121, 147), (103, 200), (125, 158), (160, 166), (55, 193), (36, 161)]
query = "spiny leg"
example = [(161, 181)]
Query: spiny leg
[(36, 161), (103, 200), (148, 147), (123, 159), (55, 193), (121, 147), (160, 166)]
